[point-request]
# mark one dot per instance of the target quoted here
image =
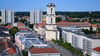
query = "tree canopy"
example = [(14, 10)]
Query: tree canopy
[(58, 19), (13, 30)]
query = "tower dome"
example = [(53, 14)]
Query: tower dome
[(51, 4)]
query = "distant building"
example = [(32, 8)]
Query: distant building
[(7, 16), (35, 16), (40, 28), (21, 26), (43, 52)]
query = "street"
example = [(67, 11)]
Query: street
[(64, 52)]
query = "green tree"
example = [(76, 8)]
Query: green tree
[(31, 26), (22, 20), (13, 30), (58, 19), (25, 53)]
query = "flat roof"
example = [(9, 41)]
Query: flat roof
[(91, 36)]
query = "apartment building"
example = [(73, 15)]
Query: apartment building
[(27, 39), (35, 16), (81, 41), (7, 16)]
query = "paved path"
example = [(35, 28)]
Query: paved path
[(62, 50)]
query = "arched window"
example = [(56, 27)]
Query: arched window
[(51, 20), (51, 10)]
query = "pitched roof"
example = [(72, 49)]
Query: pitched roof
[(8, 27), (97, 49), (42, 50), (20, 24), (23, 29), (2, 34), (11, 51), (40, 24), (65, 23), (3, 29), (5, 44), (79, 24)]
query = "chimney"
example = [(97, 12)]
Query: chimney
[(97, 32)]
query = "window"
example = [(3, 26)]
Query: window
[(87, 45), (51, 10), (74, 41), (51, 20)]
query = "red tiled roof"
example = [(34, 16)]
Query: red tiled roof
[(11, 51), (94, 25), (9, 27), (97, 49), (7, 44), (22, 29), (43, 50), (42, 24), (2, 26), (65, 23), (20, 24), (80, 24)]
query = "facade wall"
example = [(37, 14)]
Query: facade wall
[(18, 43), (21, 26), (36, 29), (95, 43), (41, 30), (80, 41), (95, 54), (46, 54), (7, 16), (35, 16), (50, 35)]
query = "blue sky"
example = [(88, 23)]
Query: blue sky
[(61, 5)]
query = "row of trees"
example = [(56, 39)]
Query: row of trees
[(91, 31), (87, 31), (68, 47)]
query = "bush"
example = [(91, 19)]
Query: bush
[(13, 30), (25, 53)]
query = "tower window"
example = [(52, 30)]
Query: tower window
[(51, 10), (51, 20)]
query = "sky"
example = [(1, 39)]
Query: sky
[(61, 5)]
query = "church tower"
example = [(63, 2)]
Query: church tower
[(51, 28)]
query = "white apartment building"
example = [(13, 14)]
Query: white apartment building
[(7, 16), (27, 39), (35, 16), (81, 41)]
